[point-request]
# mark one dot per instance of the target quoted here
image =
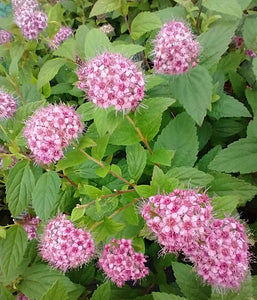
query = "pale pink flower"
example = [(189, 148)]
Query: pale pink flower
[(50, 129), (60, 36), (64, 246), (33, 24), (176, 49), (112, 80), (5, 37), (222, 256), (30, 224), (7, 105), (178, 220), (121, 263)]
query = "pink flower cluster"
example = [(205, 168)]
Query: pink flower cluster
[(250, 53), (179, 219), (30, 224), (50, 129), (112, 80), (182, 221), (7, 105), (22, 297), (60, 36), (176, 49), (65, 246), (121, 263), (5, 37), (29, 18), (222, 258), (238, 40)]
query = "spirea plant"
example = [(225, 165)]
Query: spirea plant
[(128, 150)]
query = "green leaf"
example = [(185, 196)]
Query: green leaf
[(144, 22), (251, 99), (87, 111), (96, 42), (49, 70), (86, 142), (39, 278), (190, 176), (2, 232), (71, 159), (227, 107), (144, 190), (165, 296), (90, 190), (56, 292), (66, 49), (224, 206), (194, 91), (231, 8), (104, 6), (254, 66), (19, 186), (170, 13), (250, 32), (128, 50), (45, 194), (240, 156), (161, 183), (77, 213), (5, 293), (30, 92), (226, 128), (227, 185), (130, 215), (102, 172), (161, 156), (251, 129), (136, 160), (106, 120), (215, 44), (12, 251), (154, 107), (107, 228), (189, 284), (180, 135), (80, 37), (102, 292)]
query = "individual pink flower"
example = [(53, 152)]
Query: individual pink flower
[(33, 24), (7, 105), (50, 129), (65, 247), (222, 257), (178, 220), (121, 263), (60, 36), (30, 224), (176, 49), (22, 297), (5, 37), (238, 40), (112, 80), (250, 53)]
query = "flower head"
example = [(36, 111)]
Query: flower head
[(5, 37), (176, 49), (7, 105), (238, 40), (179, 219), (33, 23), (250, 53), (121, 263), (64, 246), (50, 129), (60, 36), (30, 225), (112, 80), (222, 257)]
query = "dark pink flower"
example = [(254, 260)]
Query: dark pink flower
[(250, 53), (112, 80), (7, 105), (30, 224), (50, 129), (178, 220), (64, 246), (176, 49), (238, 40), (121, 263), (5, 37)]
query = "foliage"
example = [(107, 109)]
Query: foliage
[(193, 130)]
